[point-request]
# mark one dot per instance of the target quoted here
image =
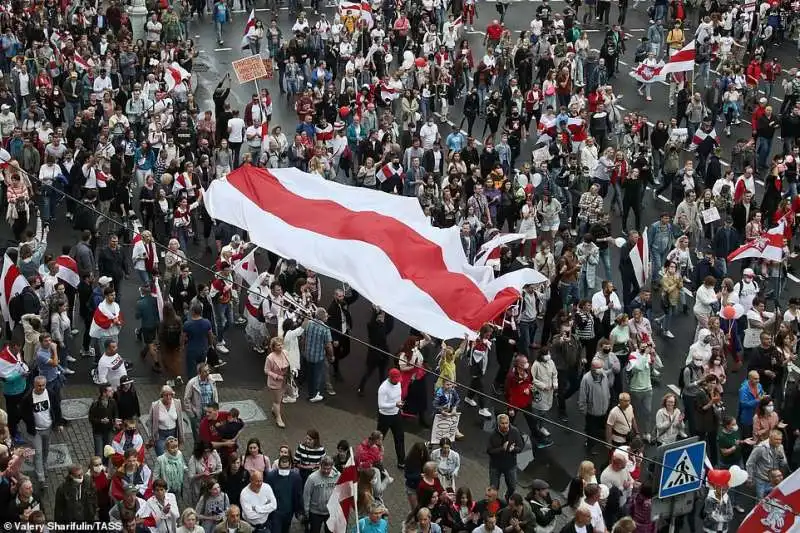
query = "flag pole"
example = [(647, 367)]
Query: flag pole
[(355, 493)]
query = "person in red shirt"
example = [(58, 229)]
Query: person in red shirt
[(208, 431), (494, 32), (519, 394), (772, 71), (758, 113)]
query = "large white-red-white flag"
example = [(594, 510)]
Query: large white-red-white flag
[(681, 61), (776, 513), (645, 73), (246, 268), (380, 244), (362, 10), (68, 270), (343, 498), (769, 245), (11, 283), (640, 258)]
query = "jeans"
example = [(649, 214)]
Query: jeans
[(763, 149), (763, 487), (316, 377), (41, 444), (224, 314), (527, 335), (218, 26), (569, 293), (669, 310), (101, 440), (144, 276), (657, 261), (642, 402), (660, 12), (163, 434), (511, 479), (605, 260)]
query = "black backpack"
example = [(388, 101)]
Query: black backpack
[(681, 381), (16, 307)]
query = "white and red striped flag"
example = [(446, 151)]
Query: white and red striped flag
[(175, 74), (68, 270), (769, 245), (246, 268), (640, 257), (458, 23), (700, 136), (681, 61), (251, 23), (343, 497), (380, 244), (644, 73), (489, 252), (776, 513), (80, 62), (360, 9), (12, 284), (388, 93), (387, 171)]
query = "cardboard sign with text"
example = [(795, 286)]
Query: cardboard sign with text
[(249, 69)]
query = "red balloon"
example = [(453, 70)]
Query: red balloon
[(719, 478), (344, 111), (420, 62), (729, 312)]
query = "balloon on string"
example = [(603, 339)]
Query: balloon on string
[(344, 111), (388, 58), (738, 476), (421, 62), (408, 59), (718, 478), (728, 312)]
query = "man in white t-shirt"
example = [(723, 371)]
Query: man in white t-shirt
[(429, 134), (257, 502), (111, 367), (236, 130), (40, 422)]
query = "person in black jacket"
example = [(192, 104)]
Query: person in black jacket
[(103, 416), (379, 328), (111, 263), (471, 108), (341, 322), (182, 290), (127, 400), (544, 508), (504, 445)]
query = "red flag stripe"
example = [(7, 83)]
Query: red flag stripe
[(414, 256)]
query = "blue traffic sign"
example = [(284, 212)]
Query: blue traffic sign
[(683, 469)]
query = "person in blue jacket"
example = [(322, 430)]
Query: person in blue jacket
[(750, 393), (287, 485)]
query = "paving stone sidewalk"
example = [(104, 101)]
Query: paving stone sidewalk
[(75, 445)]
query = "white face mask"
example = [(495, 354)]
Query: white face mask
[(769, 408), (97, 469), (283, 472), (526, 365), (546, 358)]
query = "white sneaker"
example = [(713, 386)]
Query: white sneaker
[(68, 371), (470, 401), (74, 332), (70, 359), (545, 432), (668, 334), (317, 398), (485, 413), (222, 349), (288, 399)]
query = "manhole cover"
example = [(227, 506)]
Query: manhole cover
[(76, 408), (249, 411)]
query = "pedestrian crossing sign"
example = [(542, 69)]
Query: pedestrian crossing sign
[(682, 470)]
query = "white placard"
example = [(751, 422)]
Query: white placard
[(541, 154), (444, 426), (679, 135), (710, 215)]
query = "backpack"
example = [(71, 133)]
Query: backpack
[(16, 307), (681, 381)]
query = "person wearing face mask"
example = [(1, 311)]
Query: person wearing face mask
[(689, 380), (287, 486), (594, 399), (766, 419), (76, 500), (99, 476), (707, 406), (545, 383), (127, 439)]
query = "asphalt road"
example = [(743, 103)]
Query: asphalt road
[(245, 367)]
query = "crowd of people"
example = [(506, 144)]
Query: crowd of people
[(97, 131)]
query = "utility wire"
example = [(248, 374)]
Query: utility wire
[(433, 373)]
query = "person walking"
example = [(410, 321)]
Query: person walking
[(389, 405), (504, 445)]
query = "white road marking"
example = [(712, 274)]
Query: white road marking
[(222, 49), (760, 182), (792, 277)]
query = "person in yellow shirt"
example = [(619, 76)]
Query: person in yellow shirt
[(675, 38)]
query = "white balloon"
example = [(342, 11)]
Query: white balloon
[(619, 242), (408, 59), (738, 476), (388, 58)]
